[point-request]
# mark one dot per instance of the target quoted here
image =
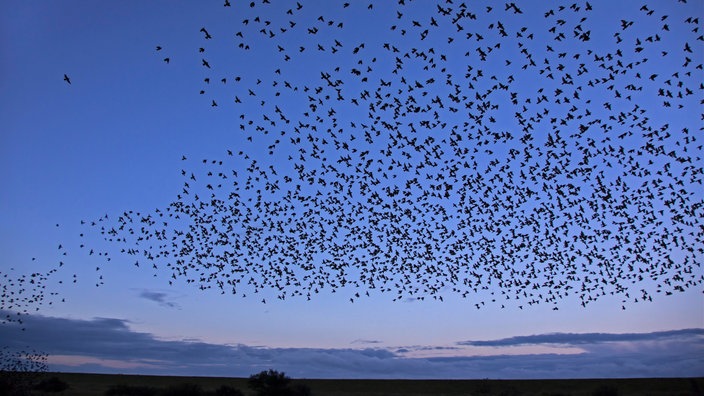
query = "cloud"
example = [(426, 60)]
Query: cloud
[(158, 297), (415, 351), (361, 341), (108, 345), (577, 339)]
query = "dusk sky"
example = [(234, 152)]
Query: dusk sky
[(418, 189)]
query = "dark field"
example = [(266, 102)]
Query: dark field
[(97, 384)]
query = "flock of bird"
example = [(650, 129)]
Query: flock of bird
[(21, 294), (422, 148)]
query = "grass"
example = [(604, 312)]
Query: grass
[(97, 384)]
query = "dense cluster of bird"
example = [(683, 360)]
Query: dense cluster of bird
[(15, 363), (423, 148), (24, 293)]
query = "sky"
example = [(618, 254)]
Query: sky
[(454, 191)]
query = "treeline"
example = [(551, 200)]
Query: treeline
[(265, 383)]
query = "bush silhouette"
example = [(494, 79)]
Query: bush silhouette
[(274, 383), (511, 391), (226, 390), (605, 390), (53, 384), (301, 390), (129, 390), (7, 385), (183, 390), (484, 387)]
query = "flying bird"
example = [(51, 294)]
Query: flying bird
[(440, 169)]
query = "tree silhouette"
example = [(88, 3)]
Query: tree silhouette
[(275, 383)]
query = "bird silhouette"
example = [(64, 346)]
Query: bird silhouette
[(508, 155)]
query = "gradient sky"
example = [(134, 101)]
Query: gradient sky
[(113, 141)]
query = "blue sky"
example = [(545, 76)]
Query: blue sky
[(115, 138)]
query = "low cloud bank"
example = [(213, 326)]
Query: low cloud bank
[(108, 345), (579, 339)]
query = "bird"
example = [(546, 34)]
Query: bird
[(67, 79), (473, 158)]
